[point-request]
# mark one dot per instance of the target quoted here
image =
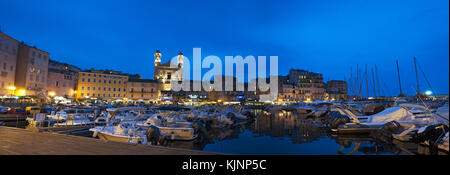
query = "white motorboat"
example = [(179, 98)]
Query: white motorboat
[(401, 114), (75, 120), (123, 132), (176, 129)]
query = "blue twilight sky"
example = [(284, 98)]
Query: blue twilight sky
[(328, 37)]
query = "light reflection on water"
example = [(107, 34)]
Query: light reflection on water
[(290, 134)]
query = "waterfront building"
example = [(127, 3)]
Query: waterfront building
[(308, 85), (286, 90), (8, 59), (31, 71), (62, 79), (142, 89), (166, 72), (102, 84), (336, 90)]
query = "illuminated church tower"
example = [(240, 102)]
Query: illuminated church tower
[(167, 71), (157, 58)]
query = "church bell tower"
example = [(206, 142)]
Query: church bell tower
[(180, 60), (157, 58)]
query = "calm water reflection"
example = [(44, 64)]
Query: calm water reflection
[(290, 134)]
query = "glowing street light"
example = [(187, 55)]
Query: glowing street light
[(51, 94), (22, 92), (428, 92), (12, 89)]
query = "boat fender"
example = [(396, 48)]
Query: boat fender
[(95, 134)]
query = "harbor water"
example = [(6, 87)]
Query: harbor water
[(288, 134)]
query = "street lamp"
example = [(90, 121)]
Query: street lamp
[(428, 92)]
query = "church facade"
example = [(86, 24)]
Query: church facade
[(166, 72)]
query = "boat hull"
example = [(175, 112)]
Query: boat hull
[(179, 133), (105, 136)]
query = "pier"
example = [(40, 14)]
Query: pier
[(16, 141)]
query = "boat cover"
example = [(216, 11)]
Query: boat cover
[(391, 114)]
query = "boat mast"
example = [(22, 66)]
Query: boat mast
[(360, 84), (350, 82), (373, 81), (399, 82), (357, 81), (378, 80), (417, 77), (367, 83)]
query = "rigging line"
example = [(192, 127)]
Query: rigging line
[(426, 79), (420, 99), (386, 87)]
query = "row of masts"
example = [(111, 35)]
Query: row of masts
[(356, 84)]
